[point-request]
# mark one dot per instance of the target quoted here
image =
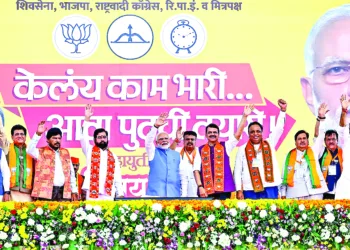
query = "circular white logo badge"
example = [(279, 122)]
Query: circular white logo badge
[(183, 36), (130, 37), (76, 37)]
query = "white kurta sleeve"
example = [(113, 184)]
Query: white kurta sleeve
[(32, 149), (5, 171), (238, 170), (118, 184), (149, 143)]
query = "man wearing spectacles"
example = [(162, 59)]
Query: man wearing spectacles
[(103, 180), (257, 174), (164, 163), (327, 58), (21, 166), (54, 178)]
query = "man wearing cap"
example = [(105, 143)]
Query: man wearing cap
[(54, 173)]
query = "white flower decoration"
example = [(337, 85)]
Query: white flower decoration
[(242, 205), (139, 228), (329, 208), (157, 207), (39, 211), (217, 203), (133, 217), (183, 226), (295, 237), (301, 207), (329, 217), (273, 207), (263, 214), (338, 239), (211, 218)]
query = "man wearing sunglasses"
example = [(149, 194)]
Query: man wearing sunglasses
[(103, 180)]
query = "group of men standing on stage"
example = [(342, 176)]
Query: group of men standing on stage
[(307, 172), (47, 173)]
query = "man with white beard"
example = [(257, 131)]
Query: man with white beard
[(164, 175)]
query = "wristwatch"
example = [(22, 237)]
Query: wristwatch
[(7, 192), (200, 186)]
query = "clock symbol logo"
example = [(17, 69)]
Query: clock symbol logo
[(183, 36)]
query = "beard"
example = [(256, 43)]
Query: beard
[(55, 146), (102, 144), (164, 146)]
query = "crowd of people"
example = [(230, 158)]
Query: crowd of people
[(309, 172)]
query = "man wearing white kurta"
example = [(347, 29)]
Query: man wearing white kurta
[(261, 184), (190, 161), (109, 183), (302, 177)]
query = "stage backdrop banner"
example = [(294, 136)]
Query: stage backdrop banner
[(201, 62)]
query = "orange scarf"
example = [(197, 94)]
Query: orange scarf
[(268, 165), (288, 176), (95, 172), (326, 161), (183, 151), (218, 184)]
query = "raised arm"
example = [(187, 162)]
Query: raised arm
[(344, 128), (32, 149), (179, 135), (246, 112), (84, 136), (149, 142), (318, 144), (278, 130), (232, 143)]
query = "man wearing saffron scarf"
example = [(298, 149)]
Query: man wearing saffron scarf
[(190, 161), (21, 166), (257, 174), (331, 157), (164, 178), (216, 178), (301, 175), (54, 178), (102, 180)]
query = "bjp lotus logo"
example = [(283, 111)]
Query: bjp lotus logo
[(76, 35)]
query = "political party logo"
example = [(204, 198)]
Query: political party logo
[(130, 37), (183, 36), (76, 37)]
